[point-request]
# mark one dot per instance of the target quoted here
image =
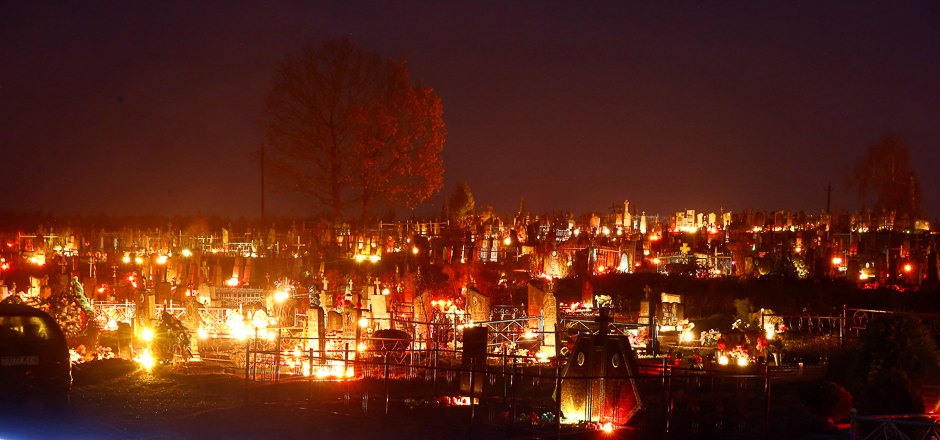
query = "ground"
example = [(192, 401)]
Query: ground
[(116, 399)]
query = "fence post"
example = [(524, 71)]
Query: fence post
[(386, 388), (254, 361), (437, 349), (512, 391), (852, 415), (842, 328), (669, 403), (558, 396), (310, 382), (767, 392), (277, 358), (345, 374), (247, 358)]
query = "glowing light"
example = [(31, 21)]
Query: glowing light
[(126, 259), (606, 230), (655, 260), (203, 334), (907, 267), (145, 359), (770, 334), (270, 335), (385, 291), (161, 259), (529, 335), (863, 276), (507, 241), (414, 250), (281, 295), (187, 253), (742, 361), (837, 261), (233, 282), (687, 336), (361, 347), (363, 322), (240, 333), (646, 251), (146, 335), (607, 427), (138, 260), (723, 360), (374, 258), (360, 258)]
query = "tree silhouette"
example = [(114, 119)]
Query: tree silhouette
[(461, 203), (885, 171), (345, 126)]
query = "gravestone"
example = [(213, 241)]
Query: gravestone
[(379, 306), (549, 320), (315, 330), (536, 296), (478, 305), (671, 310), (351, 332), (334, 321), (422, 314)]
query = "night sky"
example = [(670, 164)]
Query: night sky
[(152, 107)]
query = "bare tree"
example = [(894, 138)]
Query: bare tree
[(345, 126), (885, 172)]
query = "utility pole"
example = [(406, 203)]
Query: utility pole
[(262, 185), (264, 228)]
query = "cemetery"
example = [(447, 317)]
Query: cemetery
[(625, 322)]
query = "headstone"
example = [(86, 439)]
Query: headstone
[(334, 321), (536, 296), (422, 315), (587, 292), (644, 316), (163, 292), (379, 306), (549, 320), (315, 330), (474, 345), (90, 284), (478, 305), (351, 332)]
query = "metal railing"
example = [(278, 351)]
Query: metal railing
[(899, 426)]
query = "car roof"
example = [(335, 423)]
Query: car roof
[(21, 310)]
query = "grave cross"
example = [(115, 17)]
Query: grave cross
[(685, 248)]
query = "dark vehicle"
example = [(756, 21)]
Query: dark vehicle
[(34, 357)]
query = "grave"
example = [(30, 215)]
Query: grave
[(549, 320), (614, 396), (478, 305)]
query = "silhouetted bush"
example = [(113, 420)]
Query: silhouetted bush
[(897, 343), (826, 400)]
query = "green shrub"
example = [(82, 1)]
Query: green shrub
[(897, 342), (826, 400)]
